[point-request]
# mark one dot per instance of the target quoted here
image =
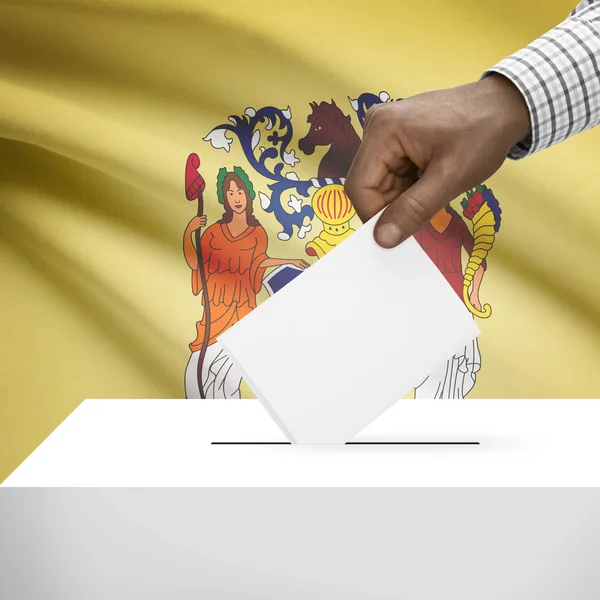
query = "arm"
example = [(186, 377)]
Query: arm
[(276, 262), (558, 75), (474, 295), (418, 154), (262, 261), (189, 249)]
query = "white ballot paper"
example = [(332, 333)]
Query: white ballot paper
[(355, 332)]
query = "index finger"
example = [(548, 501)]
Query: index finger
[(363, 182)]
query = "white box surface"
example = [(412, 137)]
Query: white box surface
[(522, 443)]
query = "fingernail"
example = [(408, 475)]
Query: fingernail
[(388, 235)]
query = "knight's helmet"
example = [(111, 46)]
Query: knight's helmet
[(333, 207)]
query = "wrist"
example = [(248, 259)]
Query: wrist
[(509, 109)]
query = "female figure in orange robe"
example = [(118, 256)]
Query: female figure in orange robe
[(234, 251)]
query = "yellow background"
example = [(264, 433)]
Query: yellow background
[(101, 101)]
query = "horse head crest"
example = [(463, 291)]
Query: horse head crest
[(329, 126)]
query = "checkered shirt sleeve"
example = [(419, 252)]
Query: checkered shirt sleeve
[(559, 77)]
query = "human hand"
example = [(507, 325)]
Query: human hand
[(298, 262), (420, 153), (197, 223), (474, 298)]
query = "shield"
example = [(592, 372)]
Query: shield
[(280, 277)]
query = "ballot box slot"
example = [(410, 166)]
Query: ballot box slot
[(351, 444), (412, 444), (250, 444)]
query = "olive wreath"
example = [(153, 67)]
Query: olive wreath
[(241, 174)]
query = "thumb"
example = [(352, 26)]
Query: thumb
[(412, 209)]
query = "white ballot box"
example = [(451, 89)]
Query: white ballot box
[(234, 443), (464, 500)]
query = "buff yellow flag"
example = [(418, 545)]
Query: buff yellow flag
[(127, 127)]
